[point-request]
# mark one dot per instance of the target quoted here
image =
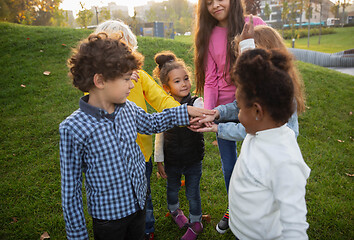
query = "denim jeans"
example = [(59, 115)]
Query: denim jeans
[(130, 227), (228, 153), (192, 175), (150, 219)]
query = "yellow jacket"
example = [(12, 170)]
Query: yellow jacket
[(147, 89)]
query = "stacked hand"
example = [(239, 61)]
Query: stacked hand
[(203, 122)]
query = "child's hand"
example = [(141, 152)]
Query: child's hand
[(135, 76), (208, 118), (212, 127), (199, 112), (161, 169), (248, 30)]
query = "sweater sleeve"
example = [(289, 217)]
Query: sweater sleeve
[(288, 183), (158, 154), (211, 82), (154, 94)]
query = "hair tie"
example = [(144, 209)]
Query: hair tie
[(163, 64)]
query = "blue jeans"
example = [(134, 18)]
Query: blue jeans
[(192, 175), (228, 153), (150, 219)]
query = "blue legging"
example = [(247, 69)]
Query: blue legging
[(228, 153)]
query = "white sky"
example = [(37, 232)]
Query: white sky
[(75, 4)]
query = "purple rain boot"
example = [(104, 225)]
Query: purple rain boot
[(179, 218), (193, 230)]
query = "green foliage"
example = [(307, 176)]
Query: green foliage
[(180, 12), (29, 165), (84, 17), (267, 11), (302, 32), (37, 12)]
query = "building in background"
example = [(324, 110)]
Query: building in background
[(276, 8)]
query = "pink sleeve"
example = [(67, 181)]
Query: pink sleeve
[(211, 83), (256, 20)]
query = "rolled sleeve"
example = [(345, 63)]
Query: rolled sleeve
[(231, 131)]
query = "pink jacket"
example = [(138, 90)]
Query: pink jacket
[(218, 90)]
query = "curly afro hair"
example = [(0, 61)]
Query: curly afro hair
[(263, 76)]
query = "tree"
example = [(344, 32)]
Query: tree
[(293, 13), (84, 16), (301, 10), (179, 12), (344, 4), (37, 12), (253, 6), (284, 15), (59, 18), (309, 9), (104, 15), (320, 2), (267, 11)]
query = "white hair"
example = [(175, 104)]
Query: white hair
[(116, 26)]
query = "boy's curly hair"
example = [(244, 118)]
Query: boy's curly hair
[(263, 77), (100, 54)]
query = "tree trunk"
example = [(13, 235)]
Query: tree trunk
[(319, 36)]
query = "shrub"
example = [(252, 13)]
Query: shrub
[(302, 32)]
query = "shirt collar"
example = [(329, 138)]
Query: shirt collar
[(272, 133), (96, 112)]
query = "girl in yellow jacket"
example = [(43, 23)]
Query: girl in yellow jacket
[(145, 88)]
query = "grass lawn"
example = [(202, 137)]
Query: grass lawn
[(342, 40), (33, 104)]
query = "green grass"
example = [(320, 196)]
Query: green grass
[(29, 166), (342, 40)]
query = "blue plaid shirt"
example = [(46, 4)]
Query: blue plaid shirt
[(103, 146)]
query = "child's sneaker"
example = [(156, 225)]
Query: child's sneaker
[(149, 236), (193, 230), (223, 225), (179, 218)]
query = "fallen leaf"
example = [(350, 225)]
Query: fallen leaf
[(350, 113), (45, 235), (64, 45), (214, 143), (340, 140), (22, 85), (41, 50), (350, 175), (183, 182), (28, 38), (307, 107), (167, 214), (158, 175), (206, 218), (14, 220), (46, 73)]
